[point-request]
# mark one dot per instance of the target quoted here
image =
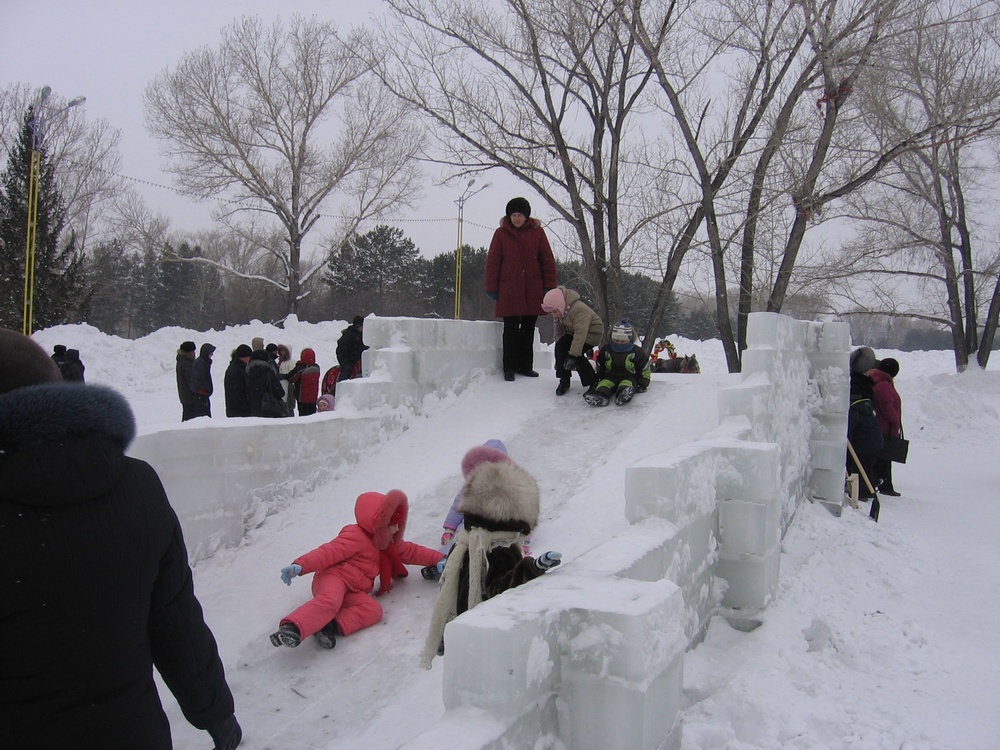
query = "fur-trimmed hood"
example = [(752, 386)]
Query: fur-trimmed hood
[(500, 495), (376, 512), (56, 411)]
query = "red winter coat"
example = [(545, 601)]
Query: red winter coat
[(355, 555), (519, 268), (305, 376), (888, 408)]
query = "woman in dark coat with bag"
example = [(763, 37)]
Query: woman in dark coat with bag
[(267, 397), (95, 588), (520, 269)]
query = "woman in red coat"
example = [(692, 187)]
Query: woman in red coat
[(889, 412), (520, 268), (345, 569)]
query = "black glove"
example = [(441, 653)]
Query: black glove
[(569, 364), (227, 735)]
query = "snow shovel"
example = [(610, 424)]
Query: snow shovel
[(873, 513)]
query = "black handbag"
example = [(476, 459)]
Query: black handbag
[(272, 406), (895, 449)]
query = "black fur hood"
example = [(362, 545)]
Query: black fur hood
[(56, 411)]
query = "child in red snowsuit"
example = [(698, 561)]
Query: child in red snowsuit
[(345, 569), (304, 378)]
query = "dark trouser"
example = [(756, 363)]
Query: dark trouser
[(583, 367), (884, 469), (189, 411), (519, 343), (306, 409), (350, 370), (201, 408)]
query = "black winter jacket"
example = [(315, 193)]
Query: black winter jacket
[(95, 588), (235, 383)]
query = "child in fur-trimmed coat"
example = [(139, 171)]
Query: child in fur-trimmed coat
[(345, 569), (500, 506)]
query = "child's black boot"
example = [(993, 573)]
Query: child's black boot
[(327, 636), (624, 395), (287, 635)]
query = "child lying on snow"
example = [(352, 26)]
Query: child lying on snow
[(500, 505), (345, 569)]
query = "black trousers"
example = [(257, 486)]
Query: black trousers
[(519, 343), (583, 367)]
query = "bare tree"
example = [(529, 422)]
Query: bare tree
[(84, 154), (920, 251), (766, 114), (279, 119), (552, 91)]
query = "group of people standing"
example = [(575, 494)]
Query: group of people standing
[(69, 363), (874, 420), (521, 280), (265, 381)]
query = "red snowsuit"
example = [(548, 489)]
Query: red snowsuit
[(305, 378), (345, 567)]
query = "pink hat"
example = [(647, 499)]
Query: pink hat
[(554, 301), (483, 454)]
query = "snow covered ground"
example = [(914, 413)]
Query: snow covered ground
[(881, 636)]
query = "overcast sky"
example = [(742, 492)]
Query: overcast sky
[(108, 51)]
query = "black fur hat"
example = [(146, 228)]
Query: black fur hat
[(518, 206)]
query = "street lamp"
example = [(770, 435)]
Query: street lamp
[(38, 122), (458, 250)]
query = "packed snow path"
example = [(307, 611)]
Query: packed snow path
[(365, 692)]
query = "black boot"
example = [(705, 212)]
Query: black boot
[(287, 635), (327, 636), (562, 387)]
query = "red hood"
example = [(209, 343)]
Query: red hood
[(308, 357), (375, 512)]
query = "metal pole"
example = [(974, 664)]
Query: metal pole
[(38, 123), (458, 250), (458, 260), (27, 313)]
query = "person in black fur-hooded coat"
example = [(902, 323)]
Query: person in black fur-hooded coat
[(500, 505), (95, 587)]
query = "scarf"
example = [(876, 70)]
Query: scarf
[(390, 566), (477, 543)]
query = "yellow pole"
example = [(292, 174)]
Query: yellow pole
[(27, 316)]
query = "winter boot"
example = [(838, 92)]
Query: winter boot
[(596, 399), (624, 395), (562, 387), (327, 636), (433, 572), (287, 635)]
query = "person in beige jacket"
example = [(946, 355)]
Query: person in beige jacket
[(578, 329)]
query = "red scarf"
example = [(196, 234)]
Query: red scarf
[(390, 566)]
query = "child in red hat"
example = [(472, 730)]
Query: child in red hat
[(345, 569)]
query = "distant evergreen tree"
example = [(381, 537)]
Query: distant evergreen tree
[(189, 295), (437, 280), (59, 275), (638, 295), (112, 280), (375, 272)]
